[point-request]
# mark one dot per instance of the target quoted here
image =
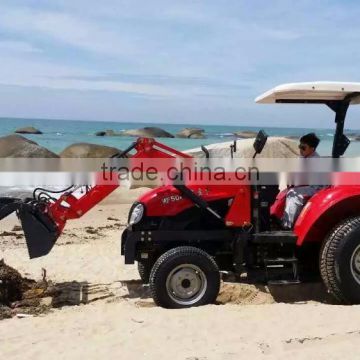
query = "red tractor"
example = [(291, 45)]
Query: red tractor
[(183, 235)]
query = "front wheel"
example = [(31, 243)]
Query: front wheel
[(144, 269), (183, 277), (340, 261)]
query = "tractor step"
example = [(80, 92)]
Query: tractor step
[(280, 261), (274, 237), (283, 282), (282, 265)]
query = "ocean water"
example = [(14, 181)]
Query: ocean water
[(58, 134)]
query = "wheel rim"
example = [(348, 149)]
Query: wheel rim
[(355, 264), (186, 284)]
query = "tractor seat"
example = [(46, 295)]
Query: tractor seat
[(278, 207)]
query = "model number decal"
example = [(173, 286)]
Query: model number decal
[(172, 198)]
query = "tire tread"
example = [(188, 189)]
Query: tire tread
[(328, 254)]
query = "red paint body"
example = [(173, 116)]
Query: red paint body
[(167, 200), (322, 212), (278, 207)]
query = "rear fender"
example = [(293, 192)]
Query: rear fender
[(325, 210)]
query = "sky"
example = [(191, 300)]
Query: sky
[(193, 62)]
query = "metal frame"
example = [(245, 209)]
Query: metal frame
[(162, 238), (340, 108)]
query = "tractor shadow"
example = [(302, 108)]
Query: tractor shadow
[(76, 293), (136, 289), (42, 297), (299, 293), (255, 291), (231, 292)]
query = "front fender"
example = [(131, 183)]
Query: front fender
[(324, 210)]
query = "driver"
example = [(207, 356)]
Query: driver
[(295, 197)]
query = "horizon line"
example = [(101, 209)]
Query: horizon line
[(165, 123)]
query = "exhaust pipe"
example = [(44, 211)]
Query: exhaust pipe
[(40, 230)]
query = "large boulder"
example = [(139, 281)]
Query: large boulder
[(87, 150), (28, 130), (353, 136), (197, 136), (148, 132), (276, 147), (245, 134), (191, 133), (20, 147), (144, 132), (109, 133)]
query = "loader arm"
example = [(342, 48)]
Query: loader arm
[(70, 207), (43, 219)]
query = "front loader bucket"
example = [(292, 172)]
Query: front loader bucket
[(40, 230)]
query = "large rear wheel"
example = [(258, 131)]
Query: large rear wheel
[(340, 261), (183, 277)]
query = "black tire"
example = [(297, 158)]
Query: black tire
[(340, 273), (191, 263), (144, 268)]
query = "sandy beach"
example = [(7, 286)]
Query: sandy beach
[(117, 318)]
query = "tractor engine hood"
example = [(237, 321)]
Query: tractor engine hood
[(169, 200)]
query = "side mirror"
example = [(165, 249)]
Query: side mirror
[(260, 142)]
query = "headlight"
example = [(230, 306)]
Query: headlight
[(136, 214)]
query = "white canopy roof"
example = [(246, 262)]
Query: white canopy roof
[(318, 91)]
